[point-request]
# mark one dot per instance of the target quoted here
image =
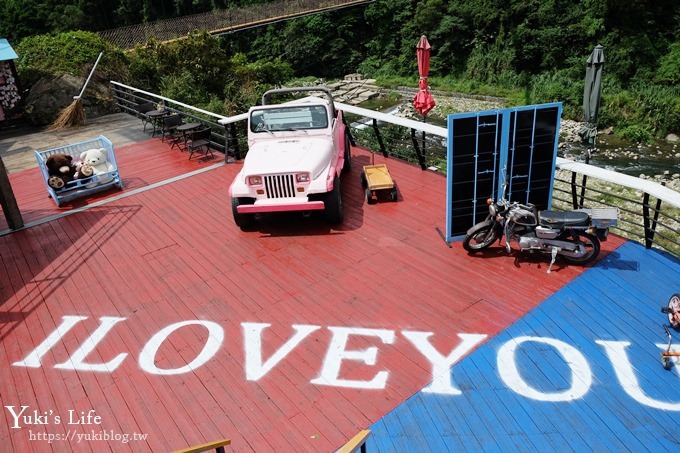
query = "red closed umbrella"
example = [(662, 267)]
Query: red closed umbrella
[(423, 101)]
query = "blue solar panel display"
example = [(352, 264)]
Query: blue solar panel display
[(488, 152)]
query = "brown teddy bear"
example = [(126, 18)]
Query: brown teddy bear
[(60, 170)]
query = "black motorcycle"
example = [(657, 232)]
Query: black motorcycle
[(573, 235)]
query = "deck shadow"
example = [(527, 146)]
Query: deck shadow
[(535, 259), (614, 260), (57, 250)]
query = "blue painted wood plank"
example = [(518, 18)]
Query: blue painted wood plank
[(454, 423), (486, 413), (380, 439), (609, 400)]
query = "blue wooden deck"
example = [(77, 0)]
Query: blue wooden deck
[(580, 372)]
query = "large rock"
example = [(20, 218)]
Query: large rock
[(49, 96)]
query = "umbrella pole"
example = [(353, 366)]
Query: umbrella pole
[(585, 178), (423, 135)]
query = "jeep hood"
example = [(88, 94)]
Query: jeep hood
[(288, 155)]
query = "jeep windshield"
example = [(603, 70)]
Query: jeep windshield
[(289, 118)]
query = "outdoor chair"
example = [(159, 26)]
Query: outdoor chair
[(169, 130), (199, 141), (142, 110)]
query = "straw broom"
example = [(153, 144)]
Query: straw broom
[(74, 114)]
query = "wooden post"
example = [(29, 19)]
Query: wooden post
[(217, 445), (7, 200), (358, 442)]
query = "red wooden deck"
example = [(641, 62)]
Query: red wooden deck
[(174, 297)]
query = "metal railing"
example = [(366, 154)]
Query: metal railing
[(417, 142), (649, 211), (223, 139)]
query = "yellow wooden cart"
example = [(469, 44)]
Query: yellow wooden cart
[(376, 179)]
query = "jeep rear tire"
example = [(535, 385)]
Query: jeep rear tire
[(333, 202), (347, 166), (243, 221)]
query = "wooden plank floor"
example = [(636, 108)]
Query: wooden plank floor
[(158, 314)]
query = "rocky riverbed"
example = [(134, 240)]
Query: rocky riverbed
[(659, 162)]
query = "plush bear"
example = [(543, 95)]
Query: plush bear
[(60, 170), (83, 170), (97, 159)]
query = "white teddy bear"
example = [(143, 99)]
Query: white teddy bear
[(97, 159)]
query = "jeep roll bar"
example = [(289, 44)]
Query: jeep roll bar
[(267, 95)]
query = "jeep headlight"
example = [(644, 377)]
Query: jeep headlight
[(302, 177), (255, 180)]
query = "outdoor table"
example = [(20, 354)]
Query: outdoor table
[(185, 130), (156, 116)]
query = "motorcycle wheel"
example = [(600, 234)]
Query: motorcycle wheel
[(479, 237), (590, 243)]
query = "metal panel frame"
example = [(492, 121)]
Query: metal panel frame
[(519, 131)]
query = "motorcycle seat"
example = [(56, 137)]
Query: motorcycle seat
[(563, 218)]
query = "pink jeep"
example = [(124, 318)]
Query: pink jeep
[(296, 152)]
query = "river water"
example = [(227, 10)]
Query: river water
[(657, 159)]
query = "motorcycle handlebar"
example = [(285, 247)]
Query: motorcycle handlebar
[(508, 205)]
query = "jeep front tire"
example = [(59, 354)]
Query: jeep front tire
[(243, 221), (333, 204)]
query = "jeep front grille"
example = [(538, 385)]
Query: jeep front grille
[(280, 186)]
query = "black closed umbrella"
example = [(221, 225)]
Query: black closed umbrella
[(592, 91)]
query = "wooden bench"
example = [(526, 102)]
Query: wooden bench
[(358, 442), (218, 445)]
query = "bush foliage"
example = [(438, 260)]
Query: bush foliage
[(68, 53)]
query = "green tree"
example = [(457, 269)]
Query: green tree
[(323, 45), (669, 66), (19, 19), (391, 49)]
